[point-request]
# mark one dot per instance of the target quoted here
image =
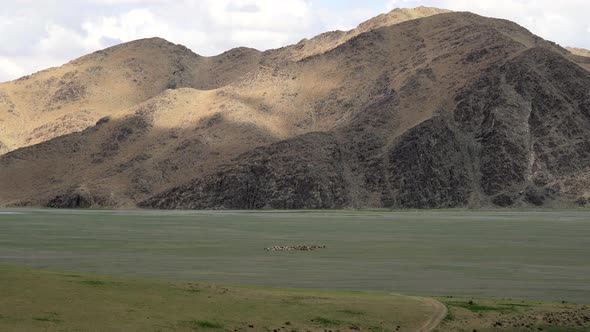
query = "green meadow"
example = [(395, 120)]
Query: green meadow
[(500, 254), (45, 300), (86, 270)]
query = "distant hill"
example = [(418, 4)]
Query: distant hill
[(416, 108), (579, 51), (581, 56)]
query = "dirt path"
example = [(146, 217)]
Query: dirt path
[(440, 312)]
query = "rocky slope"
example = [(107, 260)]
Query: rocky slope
[(73, 97), (415, 108), (580, 56), (579, 51)]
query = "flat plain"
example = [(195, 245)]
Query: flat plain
[(534, 255), (46, 300)]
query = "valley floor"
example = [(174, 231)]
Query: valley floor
[(174, 270), (535, 255), (48, 300), (44, 300)]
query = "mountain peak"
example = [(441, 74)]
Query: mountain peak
[(140, 48), (332, 39), (399, 15)]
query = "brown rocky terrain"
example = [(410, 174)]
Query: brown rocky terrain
[(580, 56), (579, 51), (415, 108)]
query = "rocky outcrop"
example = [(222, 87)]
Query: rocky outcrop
[(517, 136), (431, 167), (74, 199), (530, 120), (304, 172)]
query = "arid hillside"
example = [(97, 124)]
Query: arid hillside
[(68, 99), (579, 51), (73, 97), (581, 56), (415, 108)]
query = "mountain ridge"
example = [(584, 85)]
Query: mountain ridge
[(423, 113)]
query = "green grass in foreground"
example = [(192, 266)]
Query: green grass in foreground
[(45, 300), (469, 314)]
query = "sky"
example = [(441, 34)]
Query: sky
[(37, 34)]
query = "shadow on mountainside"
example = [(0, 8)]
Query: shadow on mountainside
[(454, 110)]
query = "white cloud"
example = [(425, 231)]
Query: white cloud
[(125, 2), (345, 19), (285, 15), (137, 23), (392, 4), (565, 21), (216, 27), (60, 41), (9, 69)]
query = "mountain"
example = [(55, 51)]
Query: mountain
[(419, 108), (580, 56), (73, 97), (330, 40), (579, 51)]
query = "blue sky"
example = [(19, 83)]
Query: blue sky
[(38, 34)]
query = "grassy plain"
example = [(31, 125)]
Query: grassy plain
[(537, 255), (487, 315), (48, 300), (45, 300)]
